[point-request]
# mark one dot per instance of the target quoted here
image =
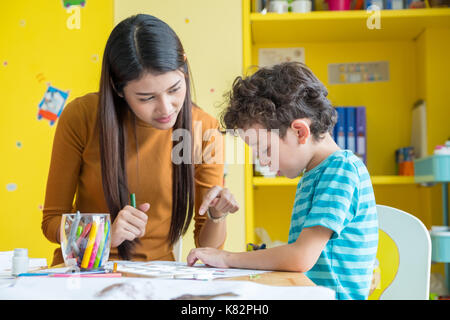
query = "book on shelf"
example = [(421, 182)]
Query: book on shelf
[(350, 138), (361, 134), (350, 130), (339, 128), (419, 129)]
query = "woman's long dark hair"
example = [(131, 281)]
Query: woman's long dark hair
[(139, 44)]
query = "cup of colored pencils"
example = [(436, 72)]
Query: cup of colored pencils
[(85, 239)]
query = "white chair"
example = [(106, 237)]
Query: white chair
[(412, 239), (178, 249)]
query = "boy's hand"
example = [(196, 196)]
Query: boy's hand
[(220, 201), (209, 256), (129, 224)]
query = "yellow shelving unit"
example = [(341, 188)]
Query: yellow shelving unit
[(416, 44), (320, 26), (376, 180)]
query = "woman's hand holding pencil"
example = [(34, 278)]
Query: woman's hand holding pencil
[(129, 224)]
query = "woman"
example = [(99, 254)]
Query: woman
[(119, 141)]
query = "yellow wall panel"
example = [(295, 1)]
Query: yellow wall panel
[(40, 44), (273, 208)]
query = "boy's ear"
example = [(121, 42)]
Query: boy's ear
[(301, 130)]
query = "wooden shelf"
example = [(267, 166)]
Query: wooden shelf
[(276, 181), (376, 180), (320, 26)]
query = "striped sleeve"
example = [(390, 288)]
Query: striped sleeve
[(335, 196)]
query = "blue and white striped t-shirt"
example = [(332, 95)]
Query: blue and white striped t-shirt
[(338, 195)]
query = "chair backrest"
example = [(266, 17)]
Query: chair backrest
[(411, 277)]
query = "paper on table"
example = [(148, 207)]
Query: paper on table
[(6, 260), (179, 270), (54, 270)]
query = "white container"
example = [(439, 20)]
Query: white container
[(397, 4), (375, 5), (440, 244), (278, 6), (19, 261), (301, 6)]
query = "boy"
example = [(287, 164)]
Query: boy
[(333, 236)]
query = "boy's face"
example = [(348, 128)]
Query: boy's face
[(287, 155)]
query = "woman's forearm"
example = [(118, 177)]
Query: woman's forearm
[(213, 234), (50, 226)]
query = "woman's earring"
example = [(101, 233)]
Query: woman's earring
[(184, 57)]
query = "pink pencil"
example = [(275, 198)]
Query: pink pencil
[(96, 244), (84, 233), (88, 275)]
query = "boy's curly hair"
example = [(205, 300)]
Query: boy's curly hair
[(274, 97)]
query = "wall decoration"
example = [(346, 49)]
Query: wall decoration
[(358, 72), (52, 104), (11, 187), (69, 3), (270, 56), (40, 77)]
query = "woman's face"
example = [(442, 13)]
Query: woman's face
[(157, 99)]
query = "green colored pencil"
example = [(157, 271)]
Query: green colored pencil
[(133, 200)]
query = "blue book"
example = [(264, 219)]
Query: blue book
[(361, 135), (340, 128), (350, 136)]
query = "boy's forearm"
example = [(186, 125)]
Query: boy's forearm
[(299, 256), (282, 258)]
